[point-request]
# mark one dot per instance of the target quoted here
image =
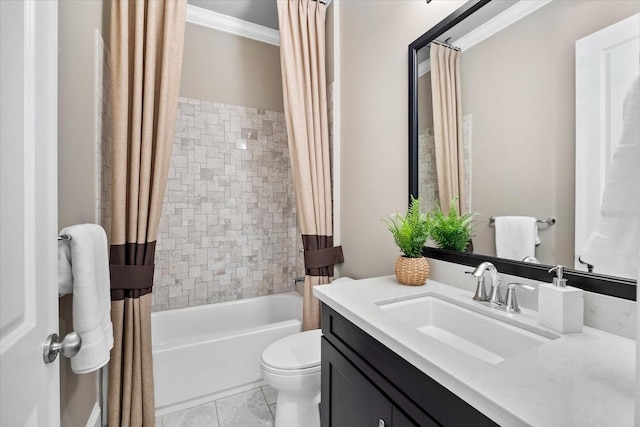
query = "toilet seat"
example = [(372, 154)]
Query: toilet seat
[(296, 354), (313, 370)]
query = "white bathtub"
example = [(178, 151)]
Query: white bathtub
[(207, 352)]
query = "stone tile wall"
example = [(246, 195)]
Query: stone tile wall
[(228, 226), (427, 175), (467, 132)]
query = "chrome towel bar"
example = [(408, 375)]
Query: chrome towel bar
[(550, 220)]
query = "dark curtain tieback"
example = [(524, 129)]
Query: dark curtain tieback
[(131, 276), (318, 258), (320, 255), (131, 267)]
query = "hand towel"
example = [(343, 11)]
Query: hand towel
[(65, 277), (91, 310), (516, 237), (612, 248)]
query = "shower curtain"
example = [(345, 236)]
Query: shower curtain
[(146, 56), (302, 55), (447, 125)]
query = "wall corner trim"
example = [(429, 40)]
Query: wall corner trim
[(95, 418), (217, 21)]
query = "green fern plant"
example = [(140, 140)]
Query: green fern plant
[(411, 231), (451, 231)]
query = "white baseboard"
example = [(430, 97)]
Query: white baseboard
[(95, 418)]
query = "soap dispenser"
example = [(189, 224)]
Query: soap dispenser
[(560, 307)]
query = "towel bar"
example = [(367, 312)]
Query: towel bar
[(550, 220), (64, 238)]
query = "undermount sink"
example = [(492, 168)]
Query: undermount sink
[(477, 334)]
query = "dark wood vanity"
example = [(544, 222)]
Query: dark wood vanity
[(366, 384)]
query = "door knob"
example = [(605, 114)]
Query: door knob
[(69, 346)]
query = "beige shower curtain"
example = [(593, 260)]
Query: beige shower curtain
[(302, 55), (146, 60), (447, 125)]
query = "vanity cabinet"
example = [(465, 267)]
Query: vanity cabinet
[(354, 400), (366, 384)]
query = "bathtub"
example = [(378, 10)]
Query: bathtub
[(207, 352)]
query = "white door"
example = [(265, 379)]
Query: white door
[(29, 389), (606, 65)]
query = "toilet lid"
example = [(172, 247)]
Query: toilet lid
[(297, 351)]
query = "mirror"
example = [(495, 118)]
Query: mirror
[(518, 79)]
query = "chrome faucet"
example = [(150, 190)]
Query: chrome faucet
[(481, 292), (511, 304), (495, 298)]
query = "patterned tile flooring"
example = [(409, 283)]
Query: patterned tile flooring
[(253, 408)]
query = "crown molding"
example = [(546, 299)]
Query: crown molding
[(217, 21), (492, 26), (500, 22)]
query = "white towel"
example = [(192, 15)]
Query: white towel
[(65, 277), (516, 237), (612, 248), (87, 254)]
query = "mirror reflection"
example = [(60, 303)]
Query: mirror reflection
[(529, 130)]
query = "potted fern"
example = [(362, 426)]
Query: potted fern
[(410, 234), (451, 231)]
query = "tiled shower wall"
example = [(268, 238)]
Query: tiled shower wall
[(427, 176), (228, 226)]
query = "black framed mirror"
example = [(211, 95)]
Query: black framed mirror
[(467, 18)]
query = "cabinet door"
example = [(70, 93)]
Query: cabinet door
[(401, 420), (348, 398)]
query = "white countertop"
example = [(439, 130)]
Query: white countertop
[(584, 379)]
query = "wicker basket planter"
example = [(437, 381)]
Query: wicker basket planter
[(412, 271)]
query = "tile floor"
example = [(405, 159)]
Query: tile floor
[(253, 408)]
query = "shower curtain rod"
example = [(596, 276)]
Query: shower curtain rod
[(445, 45)]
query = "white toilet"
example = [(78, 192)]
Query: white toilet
[(291, 366)]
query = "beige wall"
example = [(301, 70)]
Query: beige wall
[(76, 167), (230, 69), (529, 138), (374, 40)]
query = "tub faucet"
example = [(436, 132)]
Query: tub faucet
[(481, 293)]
